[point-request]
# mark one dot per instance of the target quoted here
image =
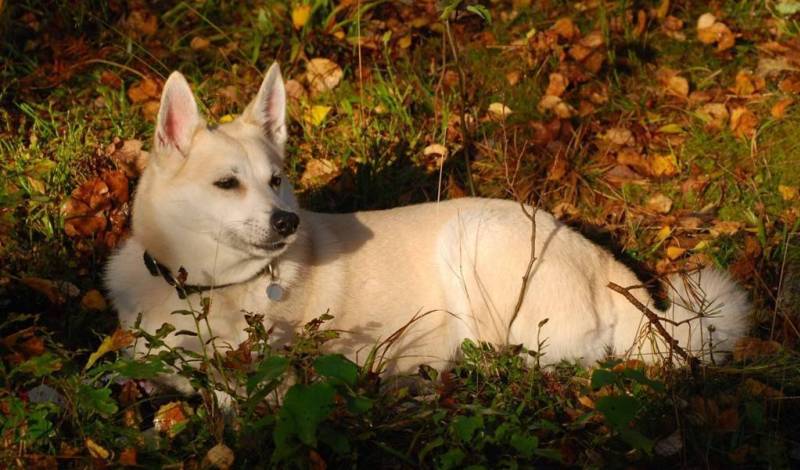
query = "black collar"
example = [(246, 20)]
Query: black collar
[(179, 283)]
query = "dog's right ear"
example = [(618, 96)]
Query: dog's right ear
[(178, 117)]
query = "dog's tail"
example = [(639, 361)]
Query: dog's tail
[(710, 310)]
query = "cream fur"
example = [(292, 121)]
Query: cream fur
[(373, 271)]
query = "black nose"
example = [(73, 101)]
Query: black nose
[(285, 223)]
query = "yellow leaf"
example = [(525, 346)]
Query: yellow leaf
[(96, 450), (300, 15), (702, 245), (788, 193), (404, 42), (663, 233), (586, 401), (670, 129), (120, 339), (316, 114), (664, 165), (675, 252), (226, 118)]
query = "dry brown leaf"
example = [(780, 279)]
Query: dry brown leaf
[(513, 77), (715, 115), (746, 83), (93, 300), (142, 22), (558, 83), (778, 110), (117, 184), (790, 84), (144, 90), (659, 203), (319, 172), (743, 122), (322, 75), (725, 227), (169, 416), (127, 457), (199, 43), (47, 287), (220, 456), (592, 40), (565, 28), (631, 157), (749, 348), (618, 136)]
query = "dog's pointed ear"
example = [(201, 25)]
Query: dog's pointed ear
[(178, 117), (268, 108)]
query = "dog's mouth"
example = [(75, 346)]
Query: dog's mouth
[(271, 246)]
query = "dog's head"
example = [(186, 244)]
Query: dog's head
[(214, 199)]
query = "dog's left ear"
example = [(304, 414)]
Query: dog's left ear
[(268, 108)]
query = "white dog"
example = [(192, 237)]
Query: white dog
[(214, 205)]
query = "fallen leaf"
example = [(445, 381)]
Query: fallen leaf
[(725, 227), (790, 84), (710, 31), (150, 110), (300, 15), (322, 75), (169, 418), (618, 136), (47, 287), (749, 348), (760, 390), (565, 28), (558, 83), (663, 233), (435, 149), (778, 110), (220, 456), (318, 172), (631, 157), (404, 42), (715, 115), (513, 77), (788, 193), (678, 86), (142, 22), (199, 43), (675, 252), (499, 111), (659, 203), (117, 184), (315, 115), (93, 300), (144, 90), (586, 401), (746, 83), (127, 457), (96, 450), (743, 122)]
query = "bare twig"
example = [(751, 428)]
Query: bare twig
[(526, 277), (654, 320), (467, 148)]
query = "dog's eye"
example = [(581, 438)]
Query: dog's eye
[(275, 182), (229, 182)]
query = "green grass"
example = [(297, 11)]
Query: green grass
[(496, 407)]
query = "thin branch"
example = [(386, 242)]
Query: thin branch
[(467, 149), (654, 320), (527, 276)]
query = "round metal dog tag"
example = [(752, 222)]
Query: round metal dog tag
[(274, 292)]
